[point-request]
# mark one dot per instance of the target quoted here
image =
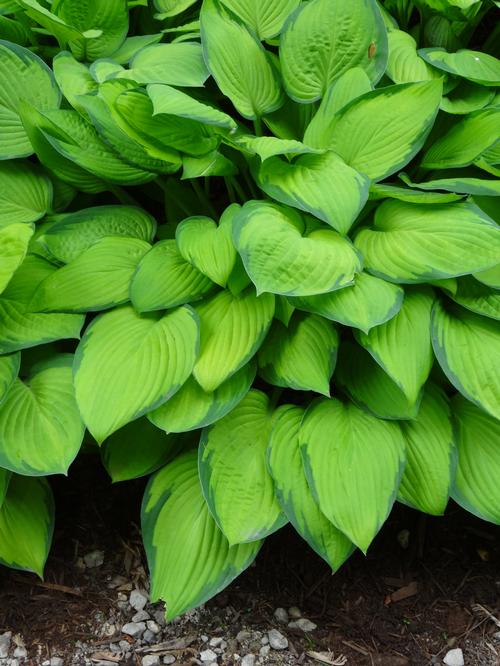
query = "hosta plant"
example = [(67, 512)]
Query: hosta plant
[(250, 249)]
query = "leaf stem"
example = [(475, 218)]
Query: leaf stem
[(257, 126)]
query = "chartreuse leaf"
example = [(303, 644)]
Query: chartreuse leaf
[(281, 256), (294, 494), (467, 97), (169, 100), (411, 243), (290, 120), (137, 449), (54, 24), (343, 35), (283, 310), (430, 454), (141, 362), (476, 481), (74, 233), (20, 329), (25, 193), (26, 279), (472, 65), (353, 463), (192, 407), (164, 279), (369, 302), (265, 18), (477, 297), (5, 477), (381, 131), (41, 430), (404, 64), (175, 64), (97, 279), (232, 328), (189, 558), (268, 146), (465, 141), (209, 247), (9, 367), (14, 241), (370, 387), (464, 185), (490, 277), (169, 8), (236, 483), (402, 346), (301, 356), (467, 347), (26, 524), (132, 45), (392, 191), (23, 76), (238, 62), (322, 185)]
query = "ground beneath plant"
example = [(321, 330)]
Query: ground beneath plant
[(427, 586)]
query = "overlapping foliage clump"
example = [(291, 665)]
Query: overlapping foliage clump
[(251, 246)]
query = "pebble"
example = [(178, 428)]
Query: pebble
[(5, 644), (204, 638), (265, 650), (159, 616), (57, 661), (264, 640), (13, 662), (208, 655), (454, 658), (168, 659), (148, 636), (150, 660), (153, 626), (243, 635), (140, 616), (294, 613), (134, 628), (21, 652), (124, 646), (276, 640), (216, 641), (137, 600), (93, 559), (248, 660), (281, 615), (303, 623)]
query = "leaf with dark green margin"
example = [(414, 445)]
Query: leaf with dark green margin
[(176, 64), (25, 193), (9, 368), (462, 185), (467, 97), (405, 65), (265, 18), (14, 240), (475, 66), (393, 191), (477, 297)]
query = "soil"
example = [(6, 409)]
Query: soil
[(426, 586)]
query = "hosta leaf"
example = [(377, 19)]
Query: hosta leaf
[(283, 310), (74, 233), (54, 24), (293, 493), (473, 65), (238, 62), (290, 120), (26, 279), (281, 257), (132, 45), (169, 8), (5, 477), (322, 185), (415, 243), (9, 367), (467, 97), (96, 280), (404, 64), (20, 329), (175, 64), (126, 365), (490, 277), (430, 454), (26, 524), (233, 473), (192, 407), (464, 185), (343, 35), (369, 302), (164, 279), (467, 347), (476, 481), (23, 76), (212, 164), (353, 463), (381, 131), (189, 558), (232, 329), (402, 346), (40, 426), (392, 191), (25, 193), (268, 146), (265, 18), (14, 241), (301, 356), (477, 297)]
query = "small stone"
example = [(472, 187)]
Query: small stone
[(294, 613), (124, 646), (159, 616), (148, 636), (5, 640), (208, 656), (21, 652), (265, 650), (13, 662), (168, 659), (108, 629), (216, 641), (93, 559), (281, 615), (303, 623), (248, 660), (134, 628), (121, 597), (276, 640), (496, 635), (264, 640), (150, 660), (115, 648), (153, 626), (243, 635), (454, 658), (204, 638), (137, 600), (57, 661), (140, 616)]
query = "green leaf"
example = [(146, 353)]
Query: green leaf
[(53, 24), (467, 347), (138, 449), (490, 277), (25, 193), (404, 64), (20, 329), (170, 8), (281, 256), (9, 368), (232, 463), (175, 64), (265, 18), (238, 62), (23, 76), (126, 365), (40, 427), (267, 146), (14, 240), (293, 493), (476, 481), (353, 463), (189, 558), (232, 328), (132, 45), (26, 279), (164, 280), (322, 185), (380, 132), (472, 65), (412, 243), (463, 185), (467, 97), (344, 36), (301, 356), (74, 233), (477, 297), (430, 453), (283, 310), (26, 524), (5, 477), (392, 191), (192, 407), (369, 302), (402, 346)]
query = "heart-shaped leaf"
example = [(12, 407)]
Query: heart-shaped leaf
[(25, 193)]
